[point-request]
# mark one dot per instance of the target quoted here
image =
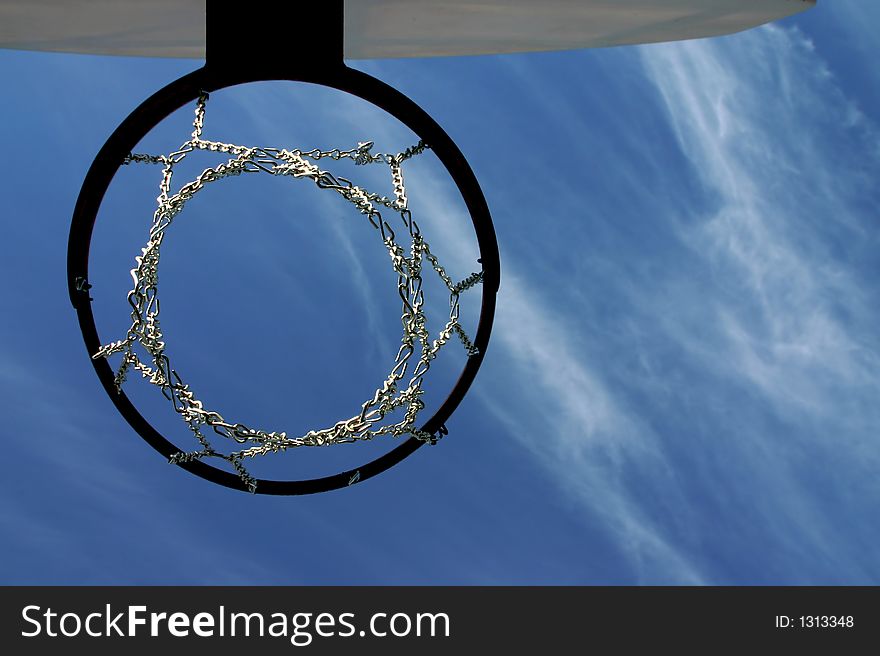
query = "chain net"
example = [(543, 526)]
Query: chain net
[(400, 391)]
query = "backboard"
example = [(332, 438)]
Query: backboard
[(390, 28)]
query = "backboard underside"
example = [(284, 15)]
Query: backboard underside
[(388, 28)]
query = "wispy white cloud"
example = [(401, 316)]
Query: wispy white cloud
[(756, 150), (787, 158), (567, 414)]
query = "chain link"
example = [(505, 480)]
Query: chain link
[(145, 331)]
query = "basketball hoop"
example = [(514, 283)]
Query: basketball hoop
[(225, 68)]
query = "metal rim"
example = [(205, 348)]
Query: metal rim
[(185, 90)]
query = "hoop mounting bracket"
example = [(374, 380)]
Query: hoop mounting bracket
[(322, 22)]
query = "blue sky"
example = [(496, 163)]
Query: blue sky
[(683, 383)]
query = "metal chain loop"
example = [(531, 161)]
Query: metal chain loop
[(145, 330)]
